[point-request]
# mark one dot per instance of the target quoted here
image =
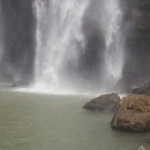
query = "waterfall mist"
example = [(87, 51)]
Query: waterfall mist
[(79, 45)]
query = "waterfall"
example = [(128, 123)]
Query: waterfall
[(59, 35), (114, 54)]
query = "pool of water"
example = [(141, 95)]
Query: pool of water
[(32, 121)]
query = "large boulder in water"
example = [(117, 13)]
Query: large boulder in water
[(144, 89), (133, 114), (103, 102)]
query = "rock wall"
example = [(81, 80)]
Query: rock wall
[(19, 36), (136, 30)]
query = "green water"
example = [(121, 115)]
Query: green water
[(52, 122)]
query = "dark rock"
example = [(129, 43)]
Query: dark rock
[(144, 89), (104, 102), (135, 28), (20, 83), (123, 87), (133, 114), (19, 27), (92, 60)]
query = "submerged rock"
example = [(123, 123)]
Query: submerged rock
[(104, 102), (144, 89), (133, 114)]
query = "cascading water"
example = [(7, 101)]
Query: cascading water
[(59, 34), (114, 54)]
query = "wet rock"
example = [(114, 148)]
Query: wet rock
[(133, 114), (144, 89), (19, 38), (135, 28), (20, 83), (103, 103)]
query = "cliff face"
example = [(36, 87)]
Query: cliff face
[(136, 30), (19, 36)]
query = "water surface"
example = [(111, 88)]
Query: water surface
[(53, 122)]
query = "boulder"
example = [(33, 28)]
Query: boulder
[(103, 102), (144, 89), (132, 113)]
